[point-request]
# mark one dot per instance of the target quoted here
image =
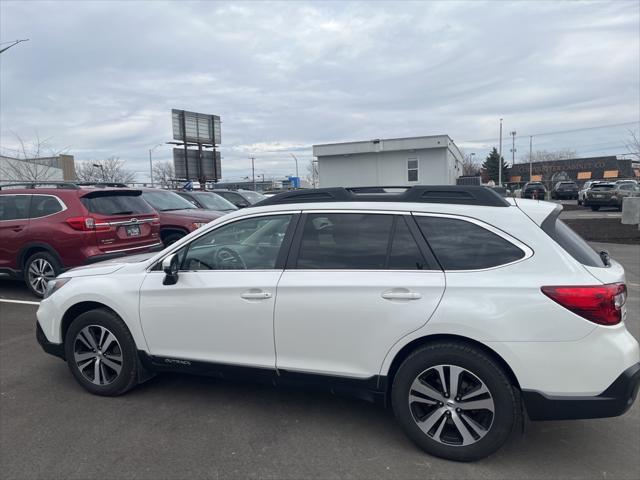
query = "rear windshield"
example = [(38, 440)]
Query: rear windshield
[(572, 243), (165, 201), (116, 204), (603, 187), (214, 201)]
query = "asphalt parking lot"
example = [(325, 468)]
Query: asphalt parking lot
[(191, 427)]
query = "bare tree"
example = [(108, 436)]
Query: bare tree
[(633, 145), (32, 162), (544, 155), (108, 170), (311, 174), (470, 166), (164, 174)]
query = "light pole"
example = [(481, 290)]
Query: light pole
[(296, 159), (151, 162), (253, 172), (14, 43), (530, 157), (513, 147), (101, 167), (500, 158)]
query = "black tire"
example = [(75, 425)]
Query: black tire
[(128, 375), (595, 208), (37, 259), (172, 238), (506, 398)]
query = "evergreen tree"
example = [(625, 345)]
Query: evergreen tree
[(491, 166)]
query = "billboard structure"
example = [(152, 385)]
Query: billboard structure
[(191, 129), (208, 168)]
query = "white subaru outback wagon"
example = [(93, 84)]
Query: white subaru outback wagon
[(459, 309)]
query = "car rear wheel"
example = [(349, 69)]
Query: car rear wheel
[(38, 270), (455, 402), (101, 353)]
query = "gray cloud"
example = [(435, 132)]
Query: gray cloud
[(101, 77)]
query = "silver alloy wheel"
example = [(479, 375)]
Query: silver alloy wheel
[(98, 355), (451, 405), (39, 273)]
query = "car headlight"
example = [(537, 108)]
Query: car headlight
[(197, 225), (54, 285)]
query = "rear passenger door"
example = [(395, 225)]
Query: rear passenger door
[(354, 284), (14, 225)]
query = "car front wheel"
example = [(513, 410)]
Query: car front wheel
[(454, 401), (101, 353)]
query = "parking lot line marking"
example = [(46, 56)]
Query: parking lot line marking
[(23, 302)]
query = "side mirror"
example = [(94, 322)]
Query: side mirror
[(170, 267)]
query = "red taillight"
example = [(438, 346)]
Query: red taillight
[(85, 224), (600, 304)]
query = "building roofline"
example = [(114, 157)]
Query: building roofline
[(382, 140)]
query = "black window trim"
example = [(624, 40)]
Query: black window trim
[(282, 255), (528, 251), (28, 217), (430, 261)]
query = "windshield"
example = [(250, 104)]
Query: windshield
[(213, 201), (253, 197), (166, 201)]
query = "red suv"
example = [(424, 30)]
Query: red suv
[(178, 216), (44, 231)]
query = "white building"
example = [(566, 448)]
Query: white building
[(46, 169), (433, 160)]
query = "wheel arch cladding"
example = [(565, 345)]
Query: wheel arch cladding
[(33, 248), (410, 347), (78, 309)]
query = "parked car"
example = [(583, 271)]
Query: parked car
[(535, 190), (564, 190), (207, 200), (585, 188), (178, 216), (48, 228), (347, 290), (610, 195), (631, 181), (240, 198)]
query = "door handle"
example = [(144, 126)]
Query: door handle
[(17, 229), (255, 295), (395, 295)]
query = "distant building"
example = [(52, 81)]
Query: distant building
[(433, 160), (52, 169), (577, 169)]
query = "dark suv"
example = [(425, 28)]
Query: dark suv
[(567, 190), (534, 190), (178, 216), (609, 195), (44, 231)]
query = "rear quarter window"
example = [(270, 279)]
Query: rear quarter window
[(463, 245), (571, 242)]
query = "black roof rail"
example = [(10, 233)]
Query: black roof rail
[(452, 194), (102, 184), (67, 185)]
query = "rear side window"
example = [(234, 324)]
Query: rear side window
[(44, 205), (462, 245), (14, 207), (116, 204), (571, 242), (348, 241)]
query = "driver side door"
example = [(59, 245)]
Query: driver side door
[(220, 310)]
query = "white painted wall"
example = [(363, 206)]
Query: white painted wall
[(436, 166), (14, 170)]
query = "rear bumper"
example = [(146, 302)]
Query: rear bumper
[(156, 247), (614, 401), (602, 202), (55, 349)]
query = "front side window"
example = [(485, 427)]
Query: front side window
[(14, 207), (462, 245), (44, 205), (412, 169), (248, 244)]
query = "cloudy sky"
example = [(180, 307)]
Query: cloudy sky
[(101, 78)]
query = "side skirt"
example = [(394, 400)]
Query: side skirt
[(369, 389)]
